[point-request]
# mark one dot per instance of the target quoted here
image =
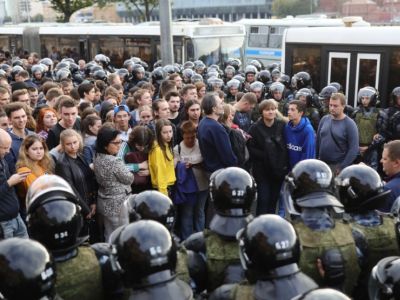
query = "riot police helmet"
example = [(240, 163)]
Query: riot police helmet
[(257, 64), (264, 76), (337, 85), (169, 69), (301, 80), (322, 294), (157, 64), (68, 59), (215, 83), (250, 69), (188, 65), (367, 92), (149, 205), (285, 79), (54, 215), (276, 87), (62, 65), (145, 248), (267, 243), (17, 62), (37, 69), (62, 74), (187, 75), (26, 270), (327, 91), (102, 59), (275, 74), (100, 75), (15, 70), (229, 71), (272, 66), (234, 62), (73, 68), (123, 74), (305, 94), (46, 61), (384, 281), (144, 64), (360, 188), (239, 77), (233, 191), (196, 78), (257, 86), (395, 96), (5, 67), (233, 83), (311, 184), (199, 66), (158, 75)]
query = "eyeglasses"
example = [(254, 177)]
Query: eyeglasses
[(116, 142)]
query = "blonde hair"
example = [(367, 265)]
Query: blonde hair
[(69, 133), (46, 163)]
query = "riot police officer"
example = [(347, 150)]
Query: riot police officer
[(55, 220), (232, 191), (384, 282), (146, 255), (26, 271), (361, 192), (269, 252), (322, 294), (318, 225), (311, 112)]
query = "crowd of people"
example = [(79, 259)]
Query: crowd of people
[(264, 188)]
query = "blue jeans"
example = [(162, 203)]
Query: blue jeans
[(267, 195), (14, 228), (192, 215)]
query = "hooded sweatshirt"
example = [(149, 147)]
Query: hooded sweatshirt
[(300, 141)]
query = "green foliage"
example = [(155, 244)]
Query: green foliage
[(67, 7), (282, 8), (143, 7)]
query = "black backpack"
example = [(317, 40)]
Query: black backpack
[(238, 143)]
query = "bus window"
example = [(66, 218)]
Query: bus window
[(231, 47), (68, 47), (367, 73), (139, 47), (308, 59), (4, 43), (275, 37), (339, 69), (207, 50), (47, 43), (394, 71), (258, 37), (189, 50), (177, 52)]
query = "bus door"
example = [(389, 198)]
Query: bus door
[(83, 49), (354, 71)]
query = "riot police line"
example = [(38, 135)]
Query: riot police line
[(335, 238)]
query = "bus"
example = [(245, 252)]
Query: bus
[(353, 56), (264, 36), (212, 42)]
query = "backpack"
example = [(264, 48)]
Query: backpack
[(238, 143)]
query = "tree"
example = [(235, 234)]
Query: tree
[(282, 8), (68, 7), (143, 7), (37, 18)]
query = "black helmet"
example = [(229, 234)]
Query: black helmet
[(196, 78), (250, 69), (322, 294), (62, 74), (123, 74), (157, 75), (138, 68), (188, 65), (256, 86), (149, 205), (102, 59), (54, 216), (233, 191), (37, 69), (360, 188), (5, 67), (337, 85), (311, 184), (26, 270), (285, 79), (264, 76), (145, 248), (100, 75), (17, 62), (169, 69), (395, 95), (230, 70), (46, 61), (266, 243), (301, 80), (62, 65), (240, 78), (15, 70), (327, 92), (304, 92), (68, 59), (275, 74), (234, 62), (199, 66), (257, 64), (384, 281), (157, 64), (272, 66), (369, 92), (73, 67), (276, 86), (233, 83), (215, 83), (187, 75)]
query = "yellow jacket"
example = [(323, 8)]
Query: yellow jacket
[(162, 171)]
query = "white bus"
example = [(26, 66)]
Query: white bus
[(264, 36), (213, 42), (353, 56)]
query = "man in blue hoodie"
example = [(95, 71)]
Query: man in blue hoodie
[(299, 134)]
